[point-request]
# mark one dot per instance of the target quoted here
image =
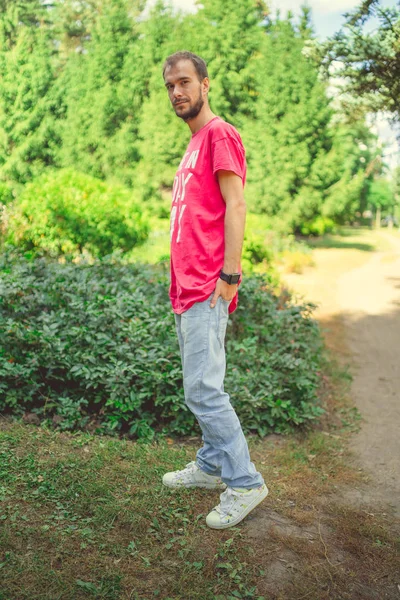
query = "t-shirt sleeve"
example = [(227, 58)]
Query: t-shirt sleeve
[(228, 155)]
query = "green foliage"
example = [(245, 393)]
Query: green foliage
[(290, 131), (318, 226), (304, 162), (367, 62), (275, 352), (27, 134), (156, 249), (230, 40), (255, 249), (380, 194), (99, 126), (97, 342), (66, 212), (6, 193), (82, 88)]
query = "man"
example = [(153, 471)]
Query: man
[(207, 228)]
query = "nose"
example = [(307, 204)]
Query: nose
[(177, 92)]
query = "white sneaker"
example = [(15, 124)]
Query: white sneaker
[(192, 476), (235, 506)]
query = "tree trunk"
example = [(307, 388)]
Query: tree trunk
[(378, 217)]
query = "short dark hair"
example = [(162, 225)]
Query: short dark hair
[(198, 63)]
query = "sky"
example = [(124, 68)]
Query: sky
[(328, 17)]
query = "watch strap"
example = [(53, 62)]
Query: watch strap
[(231, 279)]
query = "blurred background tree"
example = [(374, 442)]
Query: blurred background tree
[(367, 61), (381, 198)]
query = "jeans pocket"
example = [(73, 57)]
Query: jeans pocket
[(223, 315)]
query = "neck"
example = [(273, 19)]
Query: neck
[(204, 116)]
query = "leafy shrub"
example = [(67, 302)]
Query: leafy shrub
[(66, 212), (6, 193), (96, 344), (256, 249), (6, 197), (317, 226), (264, 252)]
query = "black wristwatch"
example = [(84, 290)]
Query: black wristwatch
[(233, 278)]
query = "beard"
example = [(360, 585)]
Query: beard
[(192, 111)]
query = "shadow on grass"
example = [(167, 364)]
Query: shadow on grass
[(337, 240), (396, 281), (333, 242)]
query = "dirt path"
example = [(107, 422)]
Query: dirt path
[(359, 307)]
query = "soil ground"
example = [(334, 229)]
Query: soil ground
[(358, 294), (355, 283)]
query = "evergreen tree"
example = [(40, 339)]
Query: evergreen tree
[(346, 170), (162, 137), (97, 117), (27, 138), (303, 162), (290, 131), (73, 24), (82, 86), (367, 62), (228, 35), (17, 14)]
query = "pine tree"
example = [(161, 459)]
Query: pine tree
[(367, 62), (290, 129), (97, 117), (27, 137), (162, 137), (302, 161), (228, 35)]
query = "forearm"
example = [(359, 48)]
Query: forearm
[(235, 219)]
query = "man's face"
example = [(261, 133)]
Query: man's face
[(185, 91)]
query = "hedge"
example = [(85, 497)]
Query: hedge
[(95, 344)]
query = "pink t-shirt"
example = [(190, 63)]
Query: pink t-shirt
[(198, 213)]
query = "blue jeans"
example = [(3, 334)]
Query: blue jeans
[(201, 334)]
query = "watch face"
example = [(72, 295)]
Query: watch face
[(235, 278)]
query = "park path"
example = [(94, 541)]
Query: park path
[(358, 294)]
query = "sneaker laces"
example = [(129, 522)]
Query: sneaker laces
[(225, 506), (190, 469)]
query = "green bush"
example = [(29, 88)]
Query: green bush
[(66, 212), (6, 193), (96, 344), (256, 249), (318, 226)]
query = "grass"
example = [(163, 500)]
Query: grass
[(87, 517), (157, 247), (362, 238)]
